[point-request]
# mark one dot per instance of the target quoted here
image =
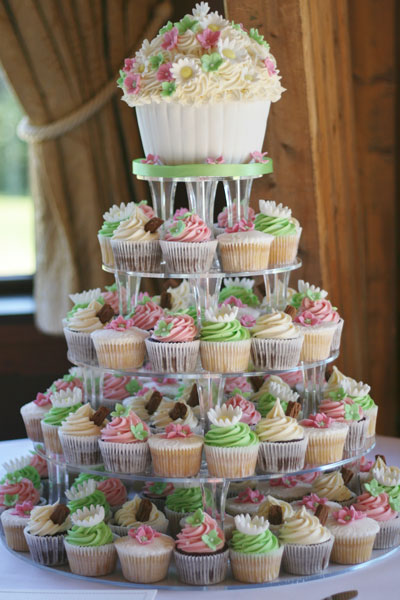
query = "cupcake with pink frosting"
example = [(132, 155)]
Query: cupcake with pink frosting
[(120, 345), (247, 502), (344, 410), (16, 490), (114, 491), (117, 388), (173, 346), (124, 442), (187, 245), (319, 323), (112, 297), (201, 554), (249, 413), (238, 385), (326, 313), (244, 249), (379, 509), (146, 314), (229, 218), (40, 464), (354, 535)]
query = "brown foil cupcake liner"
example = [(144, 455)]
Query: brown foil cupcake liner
[(284, 249), (176, 462), (317, 342), (237, 256), (352, 551), (46, 550), (80, 450), (388, 535), (306, 559), (278, 457), (256, 568), (146, 568), (125, 458), (225, 357), (127, 353), (51, 439), (91, 561), (80, 347), (137, 256), (185, 257), (173, 357), (107, 255), (231, 462), (201, 569), (276, 353)]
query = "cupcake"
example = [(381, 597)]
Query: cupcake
[(379, 509), (144, 554), (135, 243), (277, 221), (177, 452), (146, 403), (33, 412), (250, 415), (254, 552), (224, 343), (180, 296), (230, 217), (64, 403), (240, 288), (243, 249), (117, 388), (342, 409), (359, 393), (16, 490), (45, 533), (177, 413), (202, 55), (231, 448), (146, 314), (157, 492), (247, 502), (272, 391), (14, 520), (318, 336), (124, 442), (86, 494), (227, 526), (354, 535), (173, 346), (332, 487), (326, 439), (114, 491), (187, 245), (282, 441), (275, 511), (89, 543), (120, 345), (384, 479), (112, 219), (80, 433), (307, 543), (21, 468), (323, 310), (305, 290), (116, 299), (276, 342), (201, 554), (181, 503), (137, 512), (337, 380), (88, 314), (312, 501)]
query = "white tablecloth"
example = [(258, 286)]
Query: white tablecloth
[(379, 580)]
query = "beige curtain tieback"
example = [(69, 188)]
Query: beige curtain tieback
[(41, 133)]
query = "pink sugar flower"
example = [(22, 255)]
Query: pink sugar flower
[(164, 72), (129, 63), (174, 430), (170, 39), (208, 38), (287, 482), (132, 83), (270, 65), (249, 495), (42, 399), (144, 534), (242, 225), (319, 420), (151, 159), (347, 515), (120, 324), (247, 321), (312, 501), (307, 318), (215, 161), (259, 157), (23, 509), (233, 301)]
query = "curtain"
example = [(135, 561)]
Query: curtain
[(58, 56)]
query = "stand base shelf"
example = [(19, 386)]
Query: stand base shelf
[(172, 583)]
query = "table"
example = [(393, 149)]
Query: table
[(381, 579)]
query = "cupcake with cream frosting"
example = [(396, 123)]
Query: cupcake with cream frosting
[(177, 413), (312, 501), (326, 439), (277, 221), (173, 346), (176, 452), (354, 534), (224, 343), (137, 512), (89, 543), (63, 404), (112, 219), (45, 533), (120, 345), (80, 433), (332, 487), (187, 245), (267, 508), (135, 243), (146, 403), (276, 341), (124, 442)]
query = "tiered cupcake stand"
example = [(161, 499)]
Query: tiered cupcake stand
[(201, 183)]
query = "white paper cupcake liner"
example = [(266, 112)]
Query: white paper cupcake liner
[(242, 255), (388, 535), (337, 336), (51, 439), (80, 450), (46, 550), (325, 447), (125, 458), (33, 427), (306, 559), (126, 352), (357, 435), (276, 353), (107, 255), (137, 256), (229, 129), (80, 347), (91, 561), (201, 569), (231, 462), (280, 457), (177, 461), (174, 520), (173, 357), (225, 357), (284, 249), (14, 534), (256, 568), (143, 568), (317, 341), (185, 257), (352, 551)]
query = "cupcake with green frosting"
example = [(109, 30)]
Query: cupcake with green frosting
[(84, 495), (112, 218), (240, 288), (359, 393), (231, 447), (89, 543), (181, 503), (64, 403), (224, 342), (274, 390), (255, 552), (277, 220)]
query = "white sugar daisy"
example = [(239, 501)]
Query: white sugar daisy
[(359, 389), (184, 70), (224, 416), (65, 398), (304, 287), (251, 526), (243, 282), (119, 213), (88, 517), (213, 21), (224, 314), (17, 463), (385, 475), (200, 10), (231, 50), (85, 297), (82, 490), (272, 209), (282, 392)]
